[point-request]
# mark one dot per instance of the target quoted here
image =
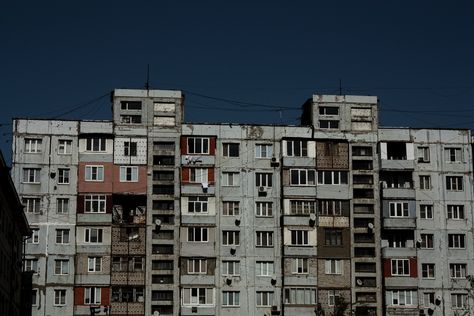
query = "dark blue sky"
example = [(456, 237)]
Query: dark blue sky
[(416, 56)]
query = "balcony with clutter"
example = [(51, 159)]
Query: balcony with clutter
[(397, 184), (397, 155)]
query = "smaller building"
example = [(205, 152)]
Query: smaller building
[(15, 285)]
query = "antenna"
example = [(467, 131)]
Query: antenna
[(340, 87), (147, 83)]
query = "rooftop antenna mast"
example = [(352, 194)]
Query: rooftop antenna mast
[(147, 83), (340, 87)]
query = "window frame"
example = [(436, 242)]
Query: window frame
[(264, 268), (195, 201), (33, 145), (64, 147), (230, 298), (230, 208), (426, 210), (92, 295), (203, 147), (460, 243), (64, 175), (63, 236), (297, 148), (91, 199), (226, 271), (336, 177), (96, 144), (61, 267), (333, 266), (455, 183), (90, 239), (94, 173), (199, 263), (428, 270), (198, 175), (128, 174), (400, 267), (60, 296), (263, 151), (228, 150), (264, 239), (302, 177), (93, 262), (31, 175), (264, 179), (457, 270), (456, 212), (230, 179), (299, 237), (263, 209), (203, 234), (230, 238)]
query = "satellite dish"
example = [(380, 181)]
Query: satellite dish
[(158, 222), (370, 225), (359, 282)]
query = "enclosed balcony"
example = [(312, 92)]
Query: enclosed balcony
[(129, 209)]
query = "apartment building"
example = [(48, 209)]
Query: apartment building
[(336, 216)]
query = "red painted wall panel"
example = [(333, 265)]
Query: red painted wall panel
[(80, 204), (387, 268), (185, 175), (105, 297), (184, 146), (79, 296), (95, 186), (212, 146), (210, 175), (413, 268)]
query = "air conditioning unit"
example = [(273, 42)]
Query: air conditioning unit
[(228, 281), (233, 251), (237, 222)]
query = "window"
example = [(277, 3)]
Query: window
[(264, 298), (300, 296), (63, 176), (453, 154), (456, 212), (332, 177), (31, 265), (299, 238), (198, 175), (426, 211), (456, 241), (230, 298), (333, 237), (33, 145), (328, 110), (61, 266), (454, 183), (62, 205), (62, 236), (131, 105), (197, 204), (32, 205), (230, 238), (198, 234), (457, 270), (398, 209), (230, 268), (302, 207), (401, 297), (198, 145), (96, 144), (130, 149), (31, 175), (426, 241), (428, 270), (34, 236), (264, 268), (333, 266), (94, 173), (94, 203), (230, 149), (423, 154), (92, 295), (302, 177), (425, 182), (333, 295), (230, 208), (328, 124), (93, 235), (197, 266), (428, 299), (330, 207), (459, 301), (264, 209), (59, 297), (34, 297), (263, 151), (297, 148), (64, 147), (397, 241), (131, 119), (263, 179), (94, 264), (400, 267), (230, 179), (197, 296), (299, 265), (264, 239), (129, 174)]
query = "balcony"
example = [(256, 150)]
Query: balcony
[(397, 184), (399, 222), (128, 308)]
